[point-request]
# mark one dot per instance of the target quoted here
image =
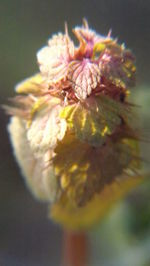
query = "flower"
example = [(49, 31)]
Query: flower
[(72, 126)]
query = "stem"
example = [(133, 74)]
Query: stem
[(75, 249)]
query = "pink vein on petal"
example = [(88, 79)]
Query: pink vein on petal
[(85, 76)]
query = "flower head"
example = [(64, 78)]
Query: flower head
[(71, 126), (97, 65)]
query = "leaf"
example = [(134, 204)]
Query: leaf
[(45, 127), (83, 170), (83, 218), (30, 85), (84, 76), (96, 118), (117, 65), (53, 59), (38, 172)]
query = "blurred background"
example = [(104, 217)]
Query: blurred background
[(27, 237)]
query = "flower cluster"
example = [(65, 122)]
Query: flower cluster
[(71, 126)]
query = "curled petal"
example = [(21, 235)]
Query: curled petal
[(88, 35), (88, 39)]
